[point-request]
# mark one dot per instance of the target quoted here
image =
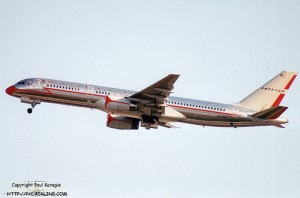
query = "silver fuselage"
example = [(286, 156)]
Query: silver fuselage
[(83, 95)]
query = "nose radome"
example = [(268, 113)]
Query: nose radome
[(10, 90)]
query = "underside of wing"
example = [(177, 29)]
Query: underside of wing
[(166, 125), (151, 102)]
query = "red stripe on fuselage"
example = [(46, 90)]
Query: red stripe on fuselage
[(50, 93), (203, 110), (33, 91), (74, 92)]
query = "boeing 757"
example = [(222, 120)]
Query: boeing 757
[(153, 106)]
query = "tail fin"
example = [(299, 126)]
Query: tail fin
[(270, 94)]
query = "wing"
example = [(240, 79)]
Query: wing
[(157, 93), (151, 102)]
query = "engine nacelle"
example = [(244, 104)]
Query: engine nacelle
[(121, 122), (115, 104)]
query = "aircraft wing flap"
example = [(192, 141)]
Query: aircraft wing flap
[(141, 101), (158, 97), (166, 125), (164, 90)]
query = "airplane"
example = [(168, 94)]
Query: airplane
[(153, 106)]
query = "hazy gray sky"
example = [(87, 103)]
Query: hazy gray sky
[(223, 50)]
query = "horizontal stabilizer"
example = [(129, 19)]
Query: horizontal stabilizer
[(279, 126), (271, 113)]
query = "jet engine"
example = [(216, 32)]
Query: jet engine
[(121, 122), (115, 104)]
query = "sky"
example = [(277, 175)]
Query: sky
[(223, 50)]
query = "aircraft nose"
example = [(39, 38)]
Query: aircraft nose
[(10, 90)]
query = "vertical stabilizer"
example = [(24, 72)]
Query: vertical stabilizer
[(270, 94)]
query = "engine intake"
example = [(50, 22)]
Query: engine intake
[(121, 122), (115, 104)]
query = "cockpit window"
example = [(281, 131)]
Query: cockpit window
[(21, 83)]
